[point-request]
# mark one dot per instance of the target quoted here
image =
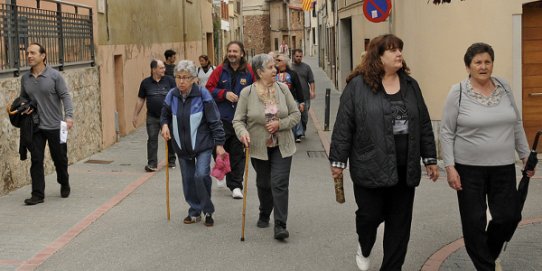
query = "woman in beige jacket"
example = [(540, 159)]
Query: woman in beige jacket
[(265, 114)]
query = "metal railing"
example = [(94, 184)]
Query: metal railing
[(64, 29)]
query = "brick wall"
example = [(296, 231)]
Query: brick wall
[(84, 139), (257, 34)]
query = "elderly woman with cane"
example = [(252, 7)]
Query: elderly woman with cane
[(190, 116), (265, 115)]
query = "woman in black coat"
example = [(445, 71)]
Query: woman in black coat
[(383, 129)]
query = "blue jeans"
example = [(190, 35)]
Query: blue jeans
[(153, 130), (298, 129), (197, 183), (305, 114)]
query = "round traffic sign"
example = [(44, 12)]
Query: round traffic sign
[(376, 10)]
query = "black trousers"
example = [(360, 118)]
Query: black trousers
[(153, 130), (272, 181), (393, 206), (59, 154), (498, 185), (236, 149)]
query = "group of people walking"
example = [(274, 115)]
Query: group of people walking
[(382, 132), (235, 106)]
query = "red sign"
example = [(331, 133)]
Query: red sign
[(376, 10)]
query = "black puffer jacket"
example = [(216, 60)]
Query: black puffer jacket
[(363, 134)]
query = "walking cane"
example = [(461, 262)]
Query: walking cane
[(247, 155), (167, 183)]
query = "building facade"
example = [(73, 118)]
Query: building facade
[(436, 37), (229, 19), (270, 22), (125, 35)]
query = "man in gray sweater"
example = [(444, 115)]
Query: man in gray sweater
[(46, 86)]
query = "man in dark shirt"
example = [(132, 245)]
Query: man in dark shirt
[(291, 79), (153, 90), (171, 57), (306, 78)]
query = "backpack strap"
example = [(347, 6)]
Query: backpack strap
[(283, 91), (460, 93)]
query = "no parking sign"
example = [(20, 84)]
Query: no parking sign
[(376, 10)]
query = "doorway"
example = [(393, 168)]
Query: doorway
[(345, 52), (120, 116), (210, 48), (532, 68)]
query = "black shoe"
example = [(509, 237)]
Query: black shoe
[(209, 222), (150, 169), (263, 221), (281, 233), (171, 165), (65, 191), (33, 201)]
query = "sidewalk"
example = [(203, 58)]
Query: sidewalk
[(115, 218)]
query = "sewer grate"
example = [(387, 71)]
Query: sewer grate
[(101, 162), (316, 154)]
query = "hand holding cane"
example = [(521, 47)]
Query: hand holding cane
[(247, 156)]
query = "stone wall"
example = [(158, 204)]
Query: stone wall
[(84, 139), (257, 33)]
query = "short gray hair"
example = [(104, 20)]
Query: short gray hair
[(259, 62), (186, 66), (286, 58)]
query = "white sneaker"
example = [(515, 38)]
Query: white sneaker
[(498, 266), (221, 183), (237, 194), (363, 262)]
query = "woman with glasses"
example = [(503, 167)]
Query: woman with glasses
[(190, 116)]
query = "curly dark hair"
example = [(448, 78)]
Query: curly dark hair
[(371, 67)]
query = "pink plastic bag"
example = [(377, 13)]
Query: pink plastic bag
[(222, 166)]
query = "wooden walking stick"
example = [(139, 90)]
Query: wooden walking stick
[(167, 184), (247, 156)]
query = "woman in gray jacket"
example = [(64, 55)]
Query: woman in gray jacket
[(383, 129), (480, 133), (265, 114)]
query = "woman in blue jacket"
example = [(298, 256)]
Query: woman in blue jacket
[(190, 116)]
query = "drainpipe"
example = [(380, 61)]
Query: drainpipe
[(184, 30), (288, 23), (390, 18)]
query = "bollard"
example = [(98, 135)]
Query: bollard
[(326, 117)]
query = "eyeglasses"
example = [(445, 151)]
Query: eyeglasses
[(185, 78)]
